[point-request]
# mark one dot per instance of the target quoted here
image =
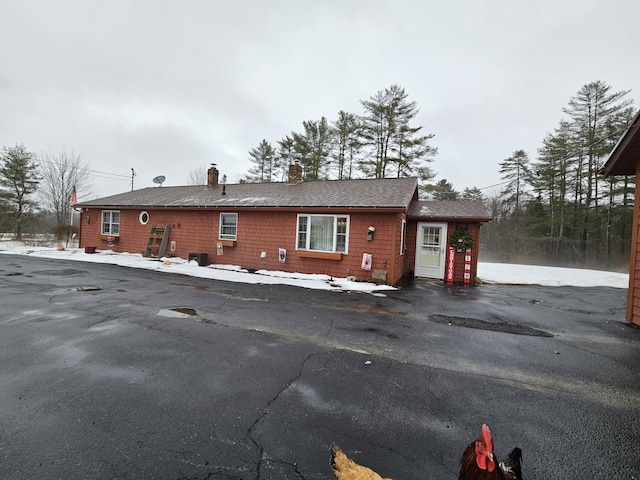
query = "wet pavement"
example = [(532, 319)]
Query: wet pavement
[(116, 373)]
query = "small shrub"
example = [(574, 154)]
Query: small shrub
[(63, 232)]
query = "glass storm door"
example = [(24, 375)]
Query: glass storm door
[(431, 250)]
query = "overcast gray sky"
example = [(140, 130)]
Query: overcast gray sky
[(163, 87)]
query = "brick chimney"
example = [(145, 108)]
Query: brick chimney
[(212, 177), (295, 173)]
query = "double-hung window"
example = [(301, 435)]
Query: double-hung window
[(228, 226), (111, 222), (323, 233)]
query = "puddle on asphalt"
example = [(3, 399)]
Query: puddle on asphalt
[(381, 332), (88, 289), (65, 272), (492, 326), (178, 312)]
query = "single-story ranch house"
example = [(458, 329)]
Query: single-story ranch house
[(625, 160), (370, 229)]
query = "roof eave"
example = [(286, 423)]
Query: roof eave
[(618, 163), (272, 208), (450, 217)]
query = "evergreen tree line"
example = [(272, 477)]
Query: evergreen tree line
[(554, 209), (558, 209), (381, 142)]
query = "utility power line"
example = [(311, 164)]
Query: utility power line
[(95, 173)]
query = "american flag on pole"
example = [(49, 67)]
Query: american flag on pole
[(74, 196)]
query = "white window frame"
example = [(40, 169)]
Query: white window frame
[(403, 238), (143, 218), (307, 235), (226, 235), (110, 227)]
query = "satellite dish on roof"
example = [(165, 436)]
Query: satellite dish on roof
[(159, 180)]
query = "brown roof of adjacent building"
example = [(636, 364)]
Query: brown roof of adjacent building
[(625, 155), (454, 209), (388, 193)]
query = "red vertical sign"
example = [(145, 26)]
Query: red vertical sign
[(451, 259), (467, 266)]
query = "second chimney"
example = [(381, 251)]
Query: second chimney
[(212, 177), (295, 173)]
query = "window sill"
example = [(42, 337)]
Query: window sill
[(322, 255), (227, 243)]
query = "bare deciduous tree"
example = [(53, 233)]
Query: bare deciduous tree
[(197, 175), (60, 173)]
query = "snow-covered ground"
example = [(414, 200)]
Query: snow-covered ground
[(513, 274), (500, 273)]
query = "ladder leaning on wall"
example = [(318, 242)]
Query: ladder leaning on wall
[(157, 241)]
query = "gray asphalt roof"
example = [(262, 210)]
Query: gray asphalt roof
[(371, 193), (467, 210)]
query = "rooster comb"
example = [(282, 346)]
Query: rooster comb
[(486, 436)]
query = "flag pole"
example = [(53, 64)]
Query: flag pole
[(74, 200)]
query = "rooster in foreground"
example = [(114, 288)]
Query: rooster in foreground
[(479, 463), (346, 469)]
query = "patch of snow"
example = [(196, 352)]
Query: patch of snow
[(506, 273), (229, 273), (497, 273)]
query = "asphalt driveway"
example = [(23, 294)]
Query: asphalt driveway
[(115, 373)]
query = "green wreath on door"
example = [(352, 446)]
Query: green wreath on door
[(461, 240)]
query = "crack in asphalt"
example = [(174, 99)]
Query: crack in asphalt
[(328, 345), (250, 431), (265, 463)]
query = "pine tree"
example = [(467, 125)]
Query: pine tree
[(18, 182), (411, 151), (393, 143), (262, 157), (619, 194), (594, 112), (515, 170), (576, 213), (312, 148), (442, 190), (473, 193), (551, 180), (285, 157), (346, 132)]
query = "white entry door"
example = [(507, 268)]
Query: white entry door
[(431, 248)]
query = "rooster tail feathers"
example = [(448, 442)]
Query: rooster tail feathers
[(513, 463), (335, 450), (346, 469), (514, 458)]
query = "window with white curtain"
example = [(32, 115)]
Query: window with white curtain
[(323, 233), (228, 226), (111, 222)]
